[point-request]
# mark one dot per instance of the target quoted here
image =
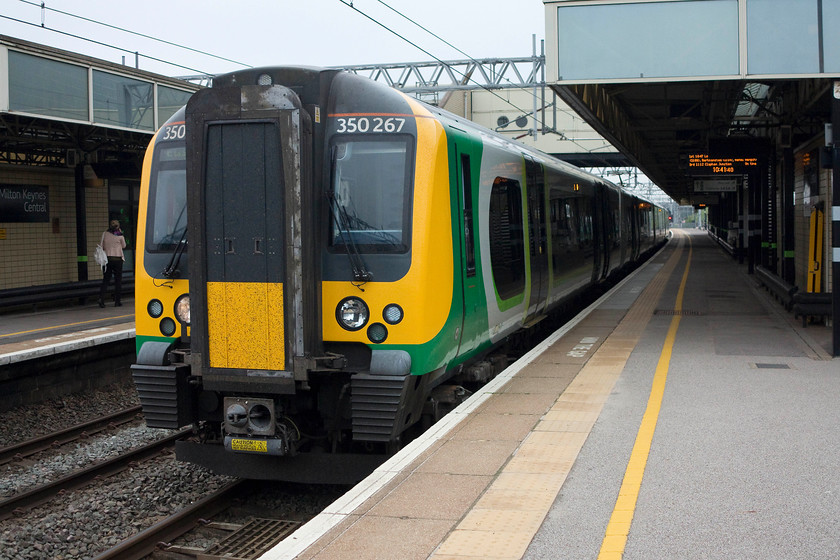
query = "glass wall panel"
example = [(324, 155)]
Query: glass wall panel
[(783, 37), (831, 35), (122, 101), (650, 40), (47, 87), (169, 101)]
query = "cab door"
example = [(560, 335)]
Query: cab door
[(245, 268), (472, 292), (247, 152)]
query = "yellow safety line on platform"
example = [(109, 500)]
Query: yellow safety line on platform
[(615, 538), (505, 518), (67, 325)]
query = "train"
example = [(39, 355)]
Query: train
[(323, 260)]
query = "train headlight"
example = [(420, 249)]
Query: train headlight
[(182, 309), (377, 333), (352, 313), (155, 308), (392, 314), (167, 326)]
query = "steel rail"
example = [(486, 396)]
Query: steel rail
[(144, 543), (61, 437), (45, 492)]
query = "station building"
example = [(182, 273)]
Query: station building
[(74, 130)]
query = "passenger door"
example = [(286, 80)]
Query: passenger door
[(538, 239)]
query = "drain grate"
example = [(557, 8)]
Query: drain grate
[(772, 366), (252, 540)]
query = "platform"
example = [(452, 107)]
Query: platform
[(34, 334), (684, 415)]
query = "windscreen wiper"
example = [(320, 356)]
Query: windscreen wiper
[(342, 222), (375, 233), (172, 267)]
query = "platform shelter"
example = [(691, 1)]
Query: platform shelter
[(728, 105)]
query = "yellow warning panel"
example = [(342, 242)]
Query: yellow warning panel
[(245, 325), (815, 251)]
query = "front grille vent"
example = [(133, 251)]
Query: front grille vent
[(377, 406)]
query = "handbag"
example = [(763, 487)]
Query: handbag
[(100, 257)]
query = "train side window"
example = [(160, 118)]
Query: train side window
[(564, 234), (469, 247), (507, 242)]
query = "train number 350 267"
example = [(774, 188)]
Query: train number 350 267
[(351, 125)]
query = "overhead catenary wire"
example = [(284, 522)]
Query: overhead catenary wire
[(444, 41), (100, 43), (44, 7), (43, 25), (539, 120), (412, 43)]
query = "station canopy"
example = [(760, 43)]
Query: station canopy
[(61, 109), (669, 81)]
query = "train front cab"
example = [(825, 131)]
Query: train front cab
[(281, 256), (161, 286), (255, 334)]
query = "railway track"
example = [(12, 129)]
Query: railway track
[(63, 437), (244, 540), (41, 494)]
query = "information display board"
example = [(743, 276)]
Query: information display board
[(702, 164)]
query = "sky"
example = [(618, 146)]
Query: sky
[(279, 32)]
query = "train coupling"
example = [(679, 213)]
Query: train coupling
[(253, 426)]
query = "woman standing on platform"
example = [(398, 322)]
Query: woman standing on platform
[(113, 242)]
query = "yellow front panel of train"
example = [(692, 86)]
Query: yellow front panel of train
[(429, 279), (245, 325)]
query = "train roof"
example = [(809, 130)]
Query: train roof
[(312, 78)]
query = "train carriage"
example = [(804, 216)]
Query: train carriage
[(350, 253)]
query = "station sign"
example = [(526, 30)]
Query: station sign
[(715, 185), (24, 203), (702, 164)]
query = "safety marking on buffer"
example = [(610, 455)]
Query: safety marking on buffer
[(618, 528)]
